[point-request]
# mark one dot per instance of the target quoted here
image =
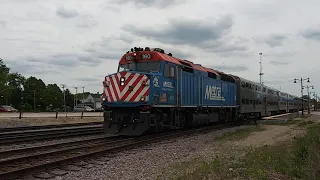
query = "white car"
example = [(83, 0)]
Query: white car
[(88, 109), (83, 109)]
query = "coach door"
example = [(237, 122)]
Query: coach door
[(169, 85), (265, 105)]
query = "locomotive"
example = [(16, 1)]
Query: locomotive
[(153, 92)]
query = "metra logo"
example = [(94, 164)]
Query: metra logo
[(213, 93), (167, 84)]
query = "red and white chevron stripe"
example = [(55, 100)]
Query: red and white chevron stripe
[(115, 92)]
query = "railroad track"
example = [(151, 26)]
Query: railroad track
[(24, 128), (17, 162), (27, 134)]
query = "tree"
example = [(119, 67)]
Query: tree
[(53, 96), (34, 93), (14, 92), (4, 72), (69, 98)]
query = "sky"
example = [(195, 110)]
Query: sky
[(78, 42)]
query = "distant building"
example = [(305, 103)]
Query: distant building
[(93, 100)]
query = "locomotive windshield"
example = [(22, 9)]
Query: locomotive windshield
[(140, 66)]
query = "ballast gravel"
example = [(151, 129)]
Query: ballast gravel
[(146, 162)]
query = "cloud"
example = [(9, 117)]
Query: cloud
[(30, 67), (312, 34), (152, 3), (272, 40), (230, 68), (87, 78), (275, 40), (3, 24), (66, 13), (61, 42), (87, 21), (278, 54), (279, 62), (74, 59), (208, 35), (185, 31), (275, 81)]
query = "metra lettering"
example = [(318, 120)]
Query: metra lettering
[(213, 93), (167, 84)]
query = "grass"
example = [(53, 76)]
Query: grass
[(240, 133), (296, 159), (197, 168)]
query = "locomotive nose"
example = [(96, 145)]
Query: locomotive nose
[(127, 87)]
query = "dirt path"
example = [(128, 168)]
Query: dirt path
[(271, 135)]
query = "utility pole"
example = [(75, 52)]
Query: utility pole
[(34, 100), (76, 95), (64, 98), (315, 102), (83, 95), (301, 80), (261, 74)]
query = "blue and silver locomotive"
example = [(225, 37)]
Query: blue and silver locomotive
[(153, 91)]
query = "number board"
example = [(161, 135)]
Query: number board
[(145, 56), (129, 58)]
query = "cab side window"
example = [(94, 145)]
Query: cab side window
[(166, 70), (169, 71)]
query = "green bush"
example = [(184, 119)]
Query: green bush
[(306, 154)]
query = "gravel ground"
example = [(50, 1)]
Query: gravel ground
[(145, 162), (149, 161), (16, 122)]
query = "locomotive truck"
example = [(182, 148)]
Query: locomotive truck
[(153, 91)]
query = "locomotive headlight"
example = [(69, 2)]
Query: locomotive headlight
[(122, 79), (143, 98)]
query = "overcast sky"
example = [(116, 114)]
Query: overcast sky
[(78, 42)]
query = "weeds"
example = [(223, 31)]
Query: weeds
[(297, 159)]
